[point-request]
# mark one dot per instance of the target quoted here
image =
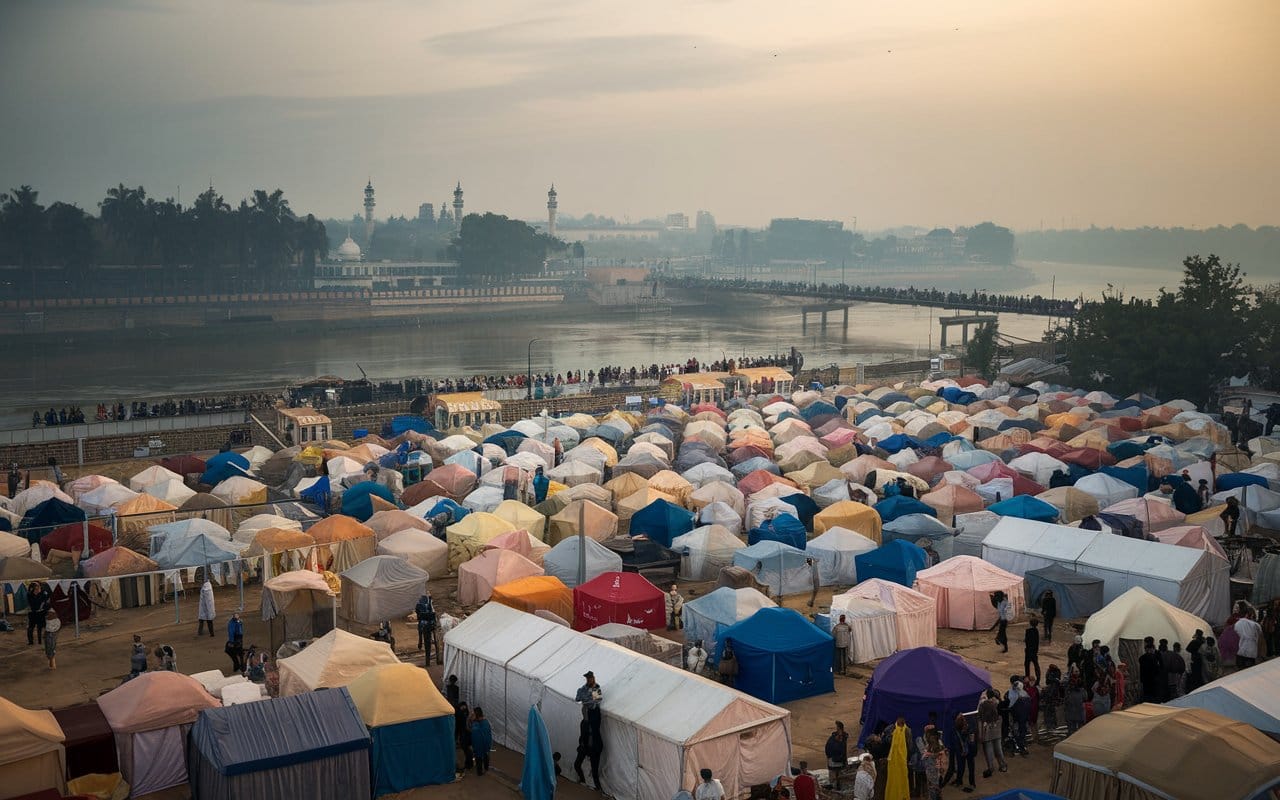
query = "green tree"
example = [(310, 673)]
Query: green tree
[(71, 242), (313, 242), (982, 351), (209, 228), (22, 224), (272, 231), (124, 213), (990, 243), (494, 246)]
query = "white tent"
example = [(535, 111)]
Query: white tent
[(1106, 489), (561, 561), (1124, 622), (672, 722), (707, 616), (333, 660), (1248, 696), (381, 588), (152, 475), (1194, 580), (915, 614), (422, 550), (971, 529), (704, 551), (834, 550), (875, 628)]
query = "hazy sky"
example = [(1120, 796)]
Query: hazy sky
[(1162, 112)]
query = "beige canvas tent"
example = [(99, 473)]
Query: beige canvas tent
[(381, 588), (478, 577), (422, 550), (521, 516), (599, 523), (335, 659), (32, 756), (1155, 752)]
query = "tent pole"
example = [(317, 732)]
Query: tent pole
[(84, 529), (582, 542), (177, 618), (75, 604), (240, 580)]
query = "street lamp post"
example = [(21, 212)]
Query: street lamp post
[(529, 371)]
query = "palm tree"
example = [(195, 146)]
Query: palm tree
[(23, 225), (273, 239), (313, 242), (124, 212)]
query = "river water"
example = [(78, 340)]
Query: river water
[(94, 370)]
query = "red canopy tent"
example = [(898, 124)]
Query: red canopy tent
[(70, 539), (623, 597)]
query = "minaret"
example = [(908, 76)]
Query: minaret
[(368, 213), (457, 205), (551, 211)]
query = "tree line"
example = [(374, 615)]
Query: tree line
[(261, 241), (1182, 344), (1155, 247)]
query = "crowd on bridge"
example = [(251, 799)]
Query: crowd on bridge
[(146, 409), (1010, 303)]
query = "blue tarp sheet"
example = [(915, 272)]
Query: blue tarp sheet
[(954, 394), (897, 561), (1024, 506), (897, 442), (805, 508), (1134, 476), (1234, 480), (318, 492), (44, 517), (662, 521), (356, 502), (782, 528), (416, 753), (221, 466), (781, 656), (410, 422), (891, 508)]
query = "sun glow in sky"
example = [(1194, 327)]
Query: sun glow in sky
[(1159, 112)]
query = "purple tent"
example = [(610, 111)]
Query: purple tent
[(911, 683)]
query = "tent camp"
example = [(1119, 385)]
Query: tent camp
[(836, 551), (335, 659), (963, 585), (915, 614), (1124, 622), (1248, 696), (874, 627), (422, 550), (1127, 754), (238, 751), (707, 617), (381, 588), (561, 561), (299, 605), (782, 656), (32, 755), (1194, 580), (897, 561), (537, 593), (915, 682), (703, 551), (1078, 594), (624, 597), (467, 536), (670, 721), (780, 567), (661, 521), (477, 577), (411, 725), (851, 515), (150, 717)]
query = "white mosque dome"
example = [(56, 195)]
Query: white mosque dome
[(349, 250)]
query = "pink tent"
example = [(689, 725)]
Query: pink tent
[(950, 499), (962, 587), (1155, 515), (998, 469), (456, 479), (915, 614), (1190, 536), (522, 542), (477, 577)]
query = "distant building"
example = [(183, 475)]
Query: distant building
[(705, 228), (623, 286), (678, 221), (457, 205), (368, 211), (427, 213), (383, 275), (552, 205)]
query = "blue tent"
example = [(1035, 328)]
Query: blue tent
[(662, 521), (781, 656), (863, 416), (911, 683), (447, 506), (917, 527), (318, 492), (411, 725), (1024, 506), (889, 398), (782, 528), (42, 518), (1235, 480), (897, 561), (817, 409), (356, 501), (937, 440), (310, 745), (1134, 476), (897, 442), (509, 441), (781, 567), (891, 508), (954, 394), (221, 466), (1128, 449), (805, 507)]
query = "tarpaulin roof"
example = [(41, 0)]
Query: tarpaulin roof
[(335, 659), (390, 694), (912, 683), (624, 597), (1248, 695), (781, 655), (155, 700), (896, 561), (247, 737)]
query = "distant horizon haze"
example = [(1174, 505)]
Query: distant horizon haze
[(937, 114)]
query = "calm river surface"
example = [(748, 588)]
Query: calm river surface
[(94, 370)]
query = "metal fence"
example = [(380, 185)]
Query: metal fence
[(134, 427)]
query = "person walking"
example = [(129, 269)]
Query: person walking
[(425, 612), (38, 602), (1230, 515), (1250, 633), (1149, 673), (587, 751), (206, 614), (1048, 610), (1031, 649), (1051, 698), (963, 752), (1176, 667), (837, 752), (813, 578), (1020, 711), (541, 485), (462, 734), (898, 782), (235, 643), (675, 608), (843, 635), (932, 760), (1003, 612), (137, 657), (481, 740), (51, 627), (989, 732)]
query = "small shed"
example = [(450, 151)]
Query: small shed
[(463, 409), (303, 426)]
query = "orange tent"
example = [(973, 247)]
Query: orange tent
[(537, 593)]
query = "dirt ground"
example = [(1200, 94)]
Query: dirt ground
[(98, 660)]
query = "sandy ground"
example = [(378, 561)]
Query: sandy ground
[(98, 660)]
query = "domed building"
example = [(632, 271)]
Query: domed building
[(349, 251)]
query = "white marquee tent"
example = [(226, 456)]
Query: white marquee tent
[(661, 725), (1193, 580)]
